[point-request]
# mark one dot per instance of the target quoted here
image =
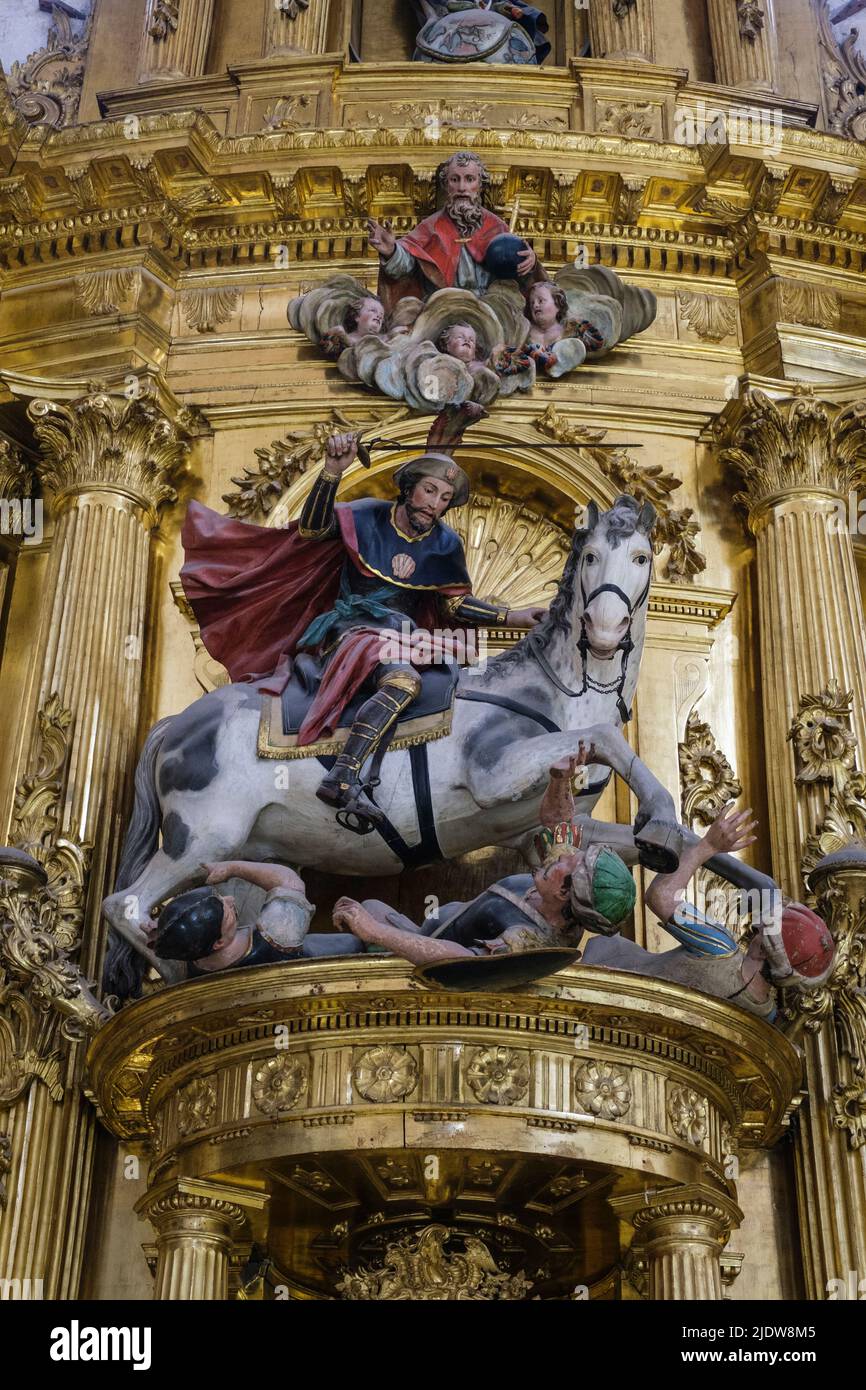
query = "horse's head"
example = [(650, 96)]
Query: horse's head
[(614, 569)]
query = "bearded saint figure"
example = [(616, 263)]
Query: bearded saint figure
[(447, 249)]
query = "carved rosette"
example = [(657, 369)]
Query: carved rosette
[(707, 780), (498, 1075), (688, 1114), (602, 1089), (386, 1073), (279, 1083)]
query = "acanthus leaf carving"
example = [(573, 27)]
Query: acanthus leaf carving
[(710, 316), (103, 291), (207, 308)]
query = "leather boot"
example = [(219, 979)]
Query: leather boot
[(375, 718)]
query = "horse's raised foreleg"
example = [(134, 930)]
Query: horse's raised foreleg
[(762, 889), (524, 775)]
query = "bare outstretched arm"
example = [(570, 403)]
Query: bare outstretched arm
[(729, 832), (263, 875), (420, 950)]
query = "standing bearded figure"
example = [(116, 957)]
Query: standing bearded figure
[(447, 249)]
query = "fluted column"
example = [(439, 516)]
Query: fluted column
[(295, 26), (175, 41), (195, 1224), (681, 1233), (798, 459), (107, 464), (743, 37), (831, 1147), (622, 29)]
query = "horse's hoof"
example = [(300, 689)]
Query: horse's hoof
[(659, 844)]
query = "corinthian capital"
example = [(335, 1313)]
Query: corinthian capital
[(799, 444), (109, 444)]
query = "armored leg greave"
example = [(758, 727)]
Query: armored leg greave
[(375, 719)]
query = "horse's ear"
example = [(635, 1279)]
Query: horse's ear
[(647, 519), (590, 516)]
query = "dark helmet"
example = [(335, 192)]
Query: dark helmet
[(189, 925)]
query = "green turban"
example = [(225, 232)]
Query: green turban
[(602, 890), (613, 890)]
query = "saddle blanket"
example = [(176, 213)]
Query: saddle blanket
[(428, 717)]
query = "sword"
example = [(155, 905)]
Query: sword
[(378, 442)]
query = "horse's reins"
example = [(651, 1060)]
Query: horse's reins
[(626, 646)]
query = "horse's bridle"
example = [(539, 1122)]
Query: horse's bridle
[(626, 646)]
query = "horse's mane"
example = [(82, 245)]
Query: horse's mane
[(620, 522)]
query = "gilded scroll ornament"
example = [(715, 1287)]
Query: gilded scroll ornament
[(673, 528), (386, 1073), (499, 1075), (687, 1111), (602, 1089), (299, 451), (823, 742), (707, 780), (279, 1083), (849, 1111), (46, 88), (196, 1105), (423, 1269)]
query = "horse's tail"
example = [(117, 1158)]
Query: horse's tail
[(124, 966)]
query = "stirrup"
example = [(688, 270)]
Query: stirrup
[(360, 814)]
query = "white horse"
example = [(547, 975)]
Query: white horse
[(201, 786)]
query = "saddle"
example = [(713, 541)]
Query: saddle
[(427, 718)]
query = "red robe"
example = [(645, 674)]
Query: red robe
[(436, 245)]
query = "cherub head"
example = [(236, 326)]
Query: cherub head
[(364, 316), (547, 305), (459, 340)]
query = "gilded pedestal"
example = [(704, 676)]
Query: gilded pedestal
[(549, 1125)]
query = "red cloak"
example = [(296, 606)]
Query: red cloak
[(255, 590)]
